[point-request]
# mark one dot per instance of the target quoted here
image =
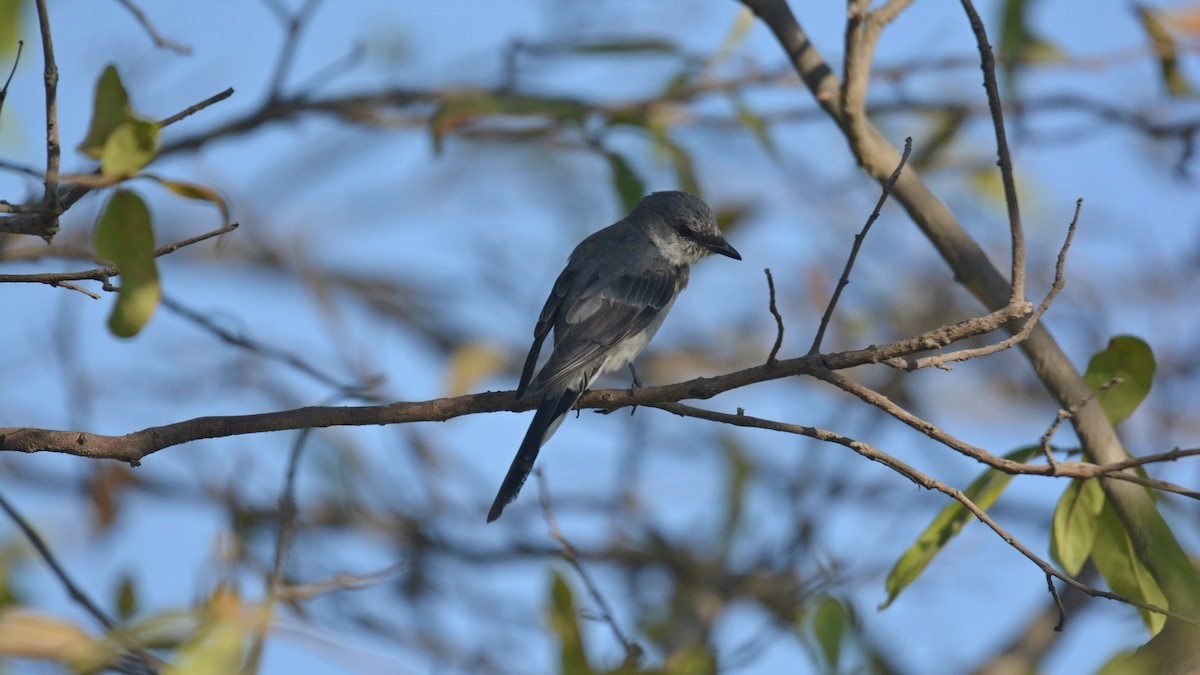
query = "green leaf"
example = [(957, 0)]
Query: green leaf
[(829, 624), (983, 491), (1122, 570), (128, 148), (1167, 50), (565, 622), (1074, 530), (626, 182), (110, 109), (1130, 359), (125, 239)]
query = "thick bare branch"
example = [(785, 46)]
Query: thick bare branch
[(1152, 538)]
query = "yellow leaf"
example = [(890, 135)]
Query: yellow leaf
[(129, 147), (195, 191), (26, 635), (469, 364)]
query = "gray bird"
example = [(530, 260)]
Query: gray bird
[(608, 302)]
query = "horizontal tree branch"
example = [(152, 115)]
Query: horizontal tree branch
[(134, 446)]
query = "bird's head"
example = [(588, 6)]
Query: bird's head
[(682, 226)]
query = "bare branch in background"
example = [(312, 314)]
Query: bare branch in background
[(159, 41), (633, 651), (151, 663)]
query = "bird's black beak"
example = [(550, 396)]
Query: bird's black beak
[(721, 246)]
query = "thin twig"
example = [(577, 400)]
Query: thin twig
[(778, 318), (1067, 413), (70, 286), (182, 243), (987, 63), (159, 40), (126, 640), (633, 651), (50, 196), (103, 274), (858, 240), (1154, 484), (193, 109), (941, 360), (1143, 460), (1062, 611)]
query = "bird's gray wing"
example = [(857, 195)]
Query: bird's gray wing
[(545, 322), (595, 314)]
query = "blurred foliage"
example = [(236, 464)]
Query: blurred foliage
[(1160, 37)]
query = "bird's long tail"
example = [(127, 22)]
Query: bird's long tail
[(550, 413)]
